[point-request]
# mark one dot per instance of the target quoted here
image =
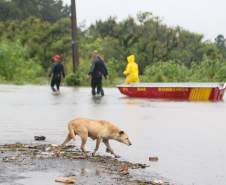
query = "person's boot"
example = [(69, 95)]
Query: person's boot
[(53, 89), (93, 92), (102, 92), (98, 91)]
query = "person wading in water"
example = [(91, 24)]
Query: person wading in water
[(56, 73), (97, 70)]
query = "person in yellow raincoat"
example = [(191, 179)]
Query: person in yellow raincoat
[(132, 71)]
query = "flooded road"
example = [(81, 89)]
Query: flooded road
[(188, 137)]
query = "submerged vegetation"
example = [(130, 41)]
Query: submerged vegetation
[(28, 40)]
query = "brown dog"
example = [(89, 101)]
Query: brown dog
[(96, 129)]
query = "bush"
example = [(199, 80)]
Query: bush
[(220, 75), (114, 70), (15, 66), (208, 70), (166, 72), (73, 79)]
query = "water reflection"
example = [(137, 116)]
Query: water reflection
[(83, 172), (97, 99)]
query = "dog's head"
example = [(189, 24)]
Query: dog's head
[(123, 138)]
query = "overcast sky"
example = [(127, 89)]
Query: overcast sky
[(203, 16)]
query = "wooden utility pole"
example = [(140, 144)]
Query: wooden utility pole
[(75, 53)]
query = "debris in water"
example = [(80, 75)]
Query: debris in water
[(152, 182), (8, 159), (66, 180), (159, 182), (40, 138), (124, 169), (79, 157), (153, 159)]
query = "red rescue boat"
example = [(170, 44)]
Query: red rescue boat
[(175, 91)]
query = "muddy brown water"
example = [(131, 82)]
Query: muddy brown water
[(188, 137)]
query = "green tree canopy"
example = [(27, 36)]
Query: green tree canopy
[(48, 10), (162, 52)]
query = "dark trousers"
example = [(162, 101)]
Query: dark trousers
[(55, 82), (96, 83)]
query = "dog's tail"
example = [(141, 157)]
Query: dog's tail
[(71, 131)]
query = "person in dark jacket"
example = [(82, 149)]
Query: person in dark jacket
[(56, 73), (97, 70)]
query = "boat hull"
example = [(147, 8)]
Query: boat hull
[(181, 91)]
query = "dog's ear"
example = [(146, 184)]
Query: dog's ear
[(121, 132)]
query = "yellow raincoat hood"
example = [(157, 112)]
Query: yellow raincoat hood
[(131, 58), (132, 71)]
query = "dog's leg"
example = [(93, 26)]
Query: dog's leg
[(97, 146), (84, 138), (68, 138), (109, 149)]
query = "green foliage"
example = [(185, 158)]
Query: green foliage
[(163, 53), (80, 77), (207, 70), (114, 70), (220, 42), (83, 71), (43, 39), (14, 64), (73, 79), (220, 75), (48, 10), (169, 71)]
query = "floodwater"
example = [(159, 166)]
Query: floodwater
[(188, 137)]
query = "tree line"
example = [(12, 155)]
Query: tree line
[(163, 53)]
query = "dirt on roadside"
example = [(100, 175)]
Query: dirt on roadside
[(47, 161)]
